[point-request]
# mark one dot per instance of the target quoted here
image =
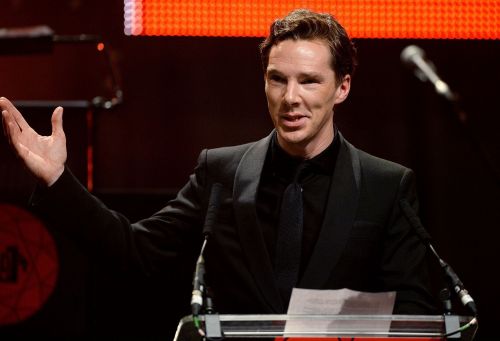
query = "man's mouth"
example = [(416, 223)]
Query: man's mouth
[(293, 120)]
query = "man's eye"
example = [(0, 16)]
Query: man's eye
[(309, 81), (276, 78)]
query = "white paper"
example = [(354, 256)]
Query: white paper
[(338, 302)]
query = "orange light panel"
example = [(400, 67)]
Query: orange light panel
[(443, 19)]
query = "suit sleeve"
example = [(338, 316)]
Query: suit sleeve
[(404, 261), (151, 246)]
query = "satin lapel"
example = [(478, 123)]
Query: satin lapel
[(339, 218), (246, 183)]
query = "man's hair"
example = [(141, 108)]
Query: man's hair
[(307, 25)]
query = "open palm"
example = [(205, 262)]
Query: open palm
[(44, 156)]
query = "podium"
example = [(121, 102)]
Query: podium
[(327, 327)]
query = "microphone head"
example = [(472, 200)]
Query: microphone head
[(410, 52)]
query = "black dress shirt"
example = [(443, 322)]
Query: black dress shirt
[(279, 169)]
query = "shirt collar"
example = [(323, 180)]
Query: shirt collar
[(284, 165)]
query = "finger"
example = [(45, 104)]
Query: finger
[(13, 133), (9, 125), (57, 121), (5, 104), (4, 124)]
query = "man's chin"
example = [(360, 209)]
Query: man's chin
[(292, 138)]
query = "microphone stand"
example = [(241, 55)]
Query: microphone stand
[(453, 99)]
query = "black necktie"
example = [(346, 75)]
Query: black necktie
[(289, 241)]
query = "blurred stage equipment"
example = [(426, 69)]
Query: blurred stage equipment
[(414, 58), (41, 39)]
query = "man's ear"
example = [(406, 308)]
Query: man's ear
[(343, 89)]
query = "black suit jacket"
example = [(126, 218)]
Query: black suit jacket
[(365, 243)]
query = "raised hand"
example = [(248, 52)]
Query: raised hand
[(44, 156)]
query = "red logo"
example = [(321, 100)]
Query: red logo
[(28, 264)]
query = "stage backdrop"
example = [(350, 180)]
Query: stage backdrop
[(182, 94)]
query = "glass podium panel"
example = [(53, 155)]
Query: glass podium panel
[(335, 327)]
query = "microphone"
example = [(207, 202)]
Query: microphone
[(199, 273), (456, 283), (414, 57), (458, 287)]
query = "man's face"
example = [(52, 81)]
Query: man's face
[(301, 91)]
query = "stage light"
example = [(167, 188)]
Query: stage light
[(444, 19)]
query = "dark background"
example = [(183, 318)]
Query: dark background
[(182, 94)]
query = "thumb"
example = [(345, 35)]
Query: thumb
[(57, 121)]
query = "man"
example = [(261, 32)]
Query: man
[(345, 230)]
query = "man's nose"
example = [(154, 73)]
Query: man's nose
[(292, 94)]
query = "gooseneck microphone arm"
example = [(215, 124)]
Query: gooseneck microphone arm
[(199, 285), (456, 284), (199, 282)]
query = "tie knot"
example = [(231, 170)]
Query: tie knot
[(299, 172)]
